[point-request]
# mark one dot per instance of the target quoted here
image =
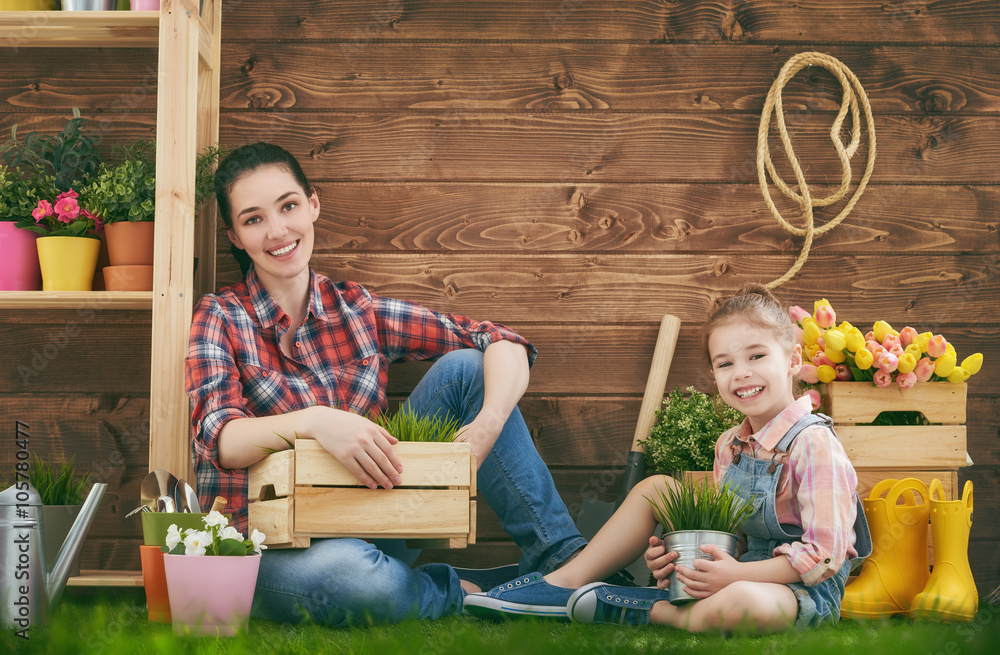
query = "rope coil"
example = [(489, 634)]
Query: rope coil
[(853, 96)]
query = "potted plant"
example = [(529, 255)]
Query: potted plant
[(70, 158), (61, 492), (697, 514), (19, 267), (211, 576), (685, 431), (124, 197), (89, 5)]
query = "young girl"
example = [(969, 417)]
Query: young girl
[(289, 352), (808, 529)]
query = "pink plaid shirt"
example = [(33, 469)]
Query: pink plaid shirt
[(816, 489)]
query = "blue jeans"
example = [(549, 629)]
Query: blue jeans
[(341, 582)]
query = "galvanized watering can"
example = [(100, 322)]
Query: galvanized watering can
[(27, 590)]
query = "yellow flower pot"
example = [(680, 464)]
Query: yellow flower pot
[(27, 5), (67, 263)]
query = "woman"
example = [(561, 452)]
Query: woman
[(289, 352)]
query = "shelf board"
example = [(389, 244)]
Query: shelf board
[(76, 299), (94, 578), (79, 29)]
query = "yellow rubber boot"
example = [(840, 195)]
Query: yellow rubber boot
[(897, 569), (950, 594)]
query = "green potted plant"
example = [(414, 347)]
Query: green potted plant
[(19, 267), (685, 431), (695, 514), (61, 491), (124, 196), (70, 157)]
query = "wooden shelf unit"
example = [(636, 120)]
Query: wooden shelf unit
[(187, 122)]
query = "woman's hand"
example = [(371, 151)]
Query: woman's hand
[(710, 576), (659, 561), (481, 434), (364, 448)]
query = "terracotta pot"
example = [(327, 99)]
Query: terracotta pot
[(211, 595), (19, 266), (27, 5), (145, 5), (154, 579), (130, 244), (67, 263), (128, 278)]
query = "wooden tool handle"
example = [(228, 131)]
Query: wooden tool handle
[(218, 504), (656, 383)]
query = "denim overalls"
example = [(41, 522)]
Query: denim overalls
[(757, 480)]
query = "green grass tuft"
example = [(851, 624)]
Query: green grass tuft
[(699, 506)]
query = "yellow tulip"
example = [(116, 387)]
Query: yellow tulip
[(958, 375), (914, 350), (881, 328), (846, 327), (907, 362), (864, 359), (951, 349), (944, 365), (836, 356), (810, 351), (855, 340), (810, 331), (973, 363), (835, 340), (923, 339), (826, 374)]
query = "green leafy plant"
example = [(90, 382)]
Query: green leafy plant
[(20, 193), (700, 506), (204, 174), (406, 425), (70, 157), (56, 485), (125, 192), (686, 429)]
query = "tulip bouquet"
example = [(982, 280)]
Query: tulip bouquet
[(218, 538), (883, 355)]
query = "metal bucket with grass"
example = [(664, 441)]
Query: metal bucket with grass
[(688, 545)]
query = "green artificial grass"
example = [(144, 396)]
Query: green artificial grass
[(109, 623)]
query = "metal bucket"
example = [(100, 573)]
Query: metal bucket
[(89, 5), (688, 544)]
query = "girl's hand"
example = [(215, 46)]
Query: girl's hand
[(659, 561), (710, 576), (364, 448)]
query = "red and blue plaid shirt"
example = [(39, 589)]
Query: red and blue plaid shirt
[(342, 351)]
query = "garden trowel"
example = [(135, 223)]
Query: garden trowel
[(593, 512)]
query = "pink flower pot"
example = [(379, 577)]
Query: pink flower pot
[(210, 595), (19, 269), (145, 5)]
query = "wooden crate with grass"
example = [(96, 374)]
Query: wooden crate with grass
[(299, 494)]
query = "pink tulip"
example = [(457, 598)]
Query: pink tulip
[(870, 335), (825, 316), (897, 350), (814, 398), (937, 346), (888, 362), (875, 349), (890, 341), (924, 369), (821, 342), (906, 380), (820, 359), (808, 374), (844, 373), (797, 313), (907, 336), (798, 334), (883, 378)]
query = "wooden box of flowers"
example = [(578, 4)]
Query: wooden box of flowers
[(306, 492), (897, 398)]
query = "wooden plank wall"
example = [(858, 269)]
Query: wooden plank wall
[(573, 169)]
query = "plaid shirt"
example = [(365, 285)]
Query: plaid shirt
[(342, 351), (816, 489)]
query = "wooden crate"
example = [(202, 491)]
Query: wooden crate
[(303, 493)]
